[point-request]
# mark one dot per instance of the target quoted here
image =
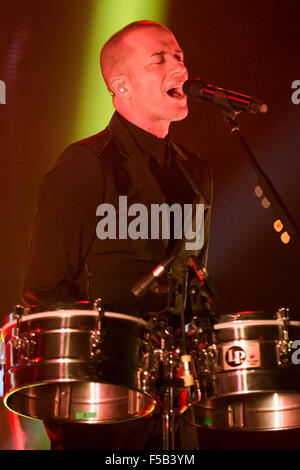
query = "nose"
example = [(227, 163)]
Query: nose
[(177, 67)]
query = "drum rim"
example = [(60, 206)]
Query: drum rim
[(246, 323), (17, 389), (67, 313)]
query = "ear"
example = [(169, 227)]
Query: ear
[(119, 87)]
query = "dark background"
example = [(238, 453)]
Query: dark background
[(253, 48), (250, 47)]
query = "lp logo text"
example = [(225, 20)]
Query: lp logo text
[(235, 356), (2, 92)]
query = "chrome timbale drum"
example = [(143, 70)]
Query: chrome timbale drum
[(65, 365), (249, 373)]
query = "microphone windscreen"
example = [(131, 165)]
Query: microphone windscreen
[(193, 88)]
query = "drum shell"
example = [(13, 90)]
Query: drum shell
[(66, 348), (250, 382), (266, 372)]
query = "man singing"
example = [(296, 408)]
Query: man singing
[(143, 68)]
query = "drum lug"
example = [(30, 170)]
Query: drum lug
[(16, 339), (283, 344), (16, 342), (96, 337), (283, 352), (207, 357), (23, 345), (95, 342)]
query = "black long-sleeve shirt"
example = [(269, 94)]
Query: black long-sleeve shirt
[(66, 261)]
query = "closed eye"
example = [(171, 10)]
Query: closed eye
[(159, 58)]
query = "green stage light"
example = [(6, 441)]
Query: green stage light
[(107, 16)]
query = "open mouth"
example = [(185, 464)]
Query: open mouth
[(176, 92)]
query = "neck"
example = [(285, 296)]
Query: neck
[(158, 128)]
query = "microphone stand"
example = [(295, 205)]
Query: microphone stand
[(263, 181)]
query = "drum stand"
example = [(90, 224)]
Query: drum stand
[(169, 420), (168, 406), (170, 383), (169, 379)]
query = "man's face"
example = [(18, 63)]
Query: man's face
[(156, 73)]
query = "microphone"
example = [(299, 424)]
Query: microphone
[(147, 281), (199, 90)]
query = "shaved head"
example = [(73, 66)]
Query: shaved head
[(115, 52), (143, 68)]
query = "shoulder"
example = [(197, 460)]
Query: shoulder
[(78, 168), (89, 148), (81, 158), (95, 143)]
